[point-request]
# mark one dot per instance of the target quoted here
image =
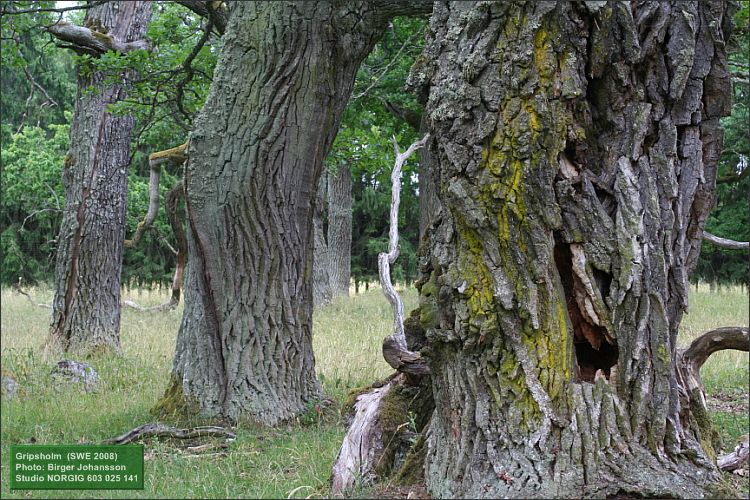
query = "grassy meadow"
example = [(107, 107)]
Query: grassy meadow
[(292, 461)]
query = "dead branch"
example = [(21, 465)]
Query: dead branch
[(730, 337), (83, 40), (725, 243), (9, 10), (362, 443), (733, 177), (690, 360), (17, 288), (218, 16), (735, 459), (161, 430), (155, 161), (395, 349)]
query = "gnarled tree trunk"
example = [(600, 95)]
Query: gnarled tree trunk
[(244, 348), (86, 307), (340, 230), (576, 146)]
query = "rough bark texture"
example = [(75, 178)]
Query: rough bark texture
[(322, 293), (86, 307), (576, 147), (429, 201), (244, 348), (340, 230)]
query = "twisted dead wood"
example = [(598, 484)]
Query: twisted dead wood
[(395, 350)]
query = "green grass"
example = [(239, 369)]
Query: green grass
[(295, 459)]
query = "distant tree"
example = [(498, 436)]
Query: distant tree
[(340, 230), (86, 307), (38, 79)]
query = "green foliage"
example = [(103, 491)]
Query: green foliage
[(37, 78), (32, 201), (163, 95), (363, 144), (730, 219)]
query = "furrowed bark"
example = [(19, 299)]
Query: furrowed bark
[(86, 307), (576, 149), (244, 346), (322, 292), (340, 230)]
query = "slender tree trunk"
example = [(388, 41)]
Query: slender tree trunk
[(321, 275), (86, 307), (429, 185), (340, 230), (284, 74), (576, 152)]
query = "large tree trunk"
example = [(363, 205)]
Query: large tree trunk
[(576, 151), (286, 69), (86, 307), (321, 275), (340, 230)]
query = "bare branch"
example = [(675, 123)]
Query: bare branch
[(4, 11), (734, 460), (219, 17), (725, 243), (188, 68), (173, 198), (176, 154), (85, 41), (42, 89), (730, 337), (388, 66), (395, 349), (17, 288)]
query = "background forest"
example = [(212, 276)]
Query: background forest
[(39, 86)]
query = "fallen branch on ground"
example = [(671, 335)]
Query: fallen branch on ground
[(17, 288), (161, 430), (736, 459)]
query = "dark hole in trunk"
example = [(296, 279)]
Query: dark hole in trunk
[(593, 351)]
